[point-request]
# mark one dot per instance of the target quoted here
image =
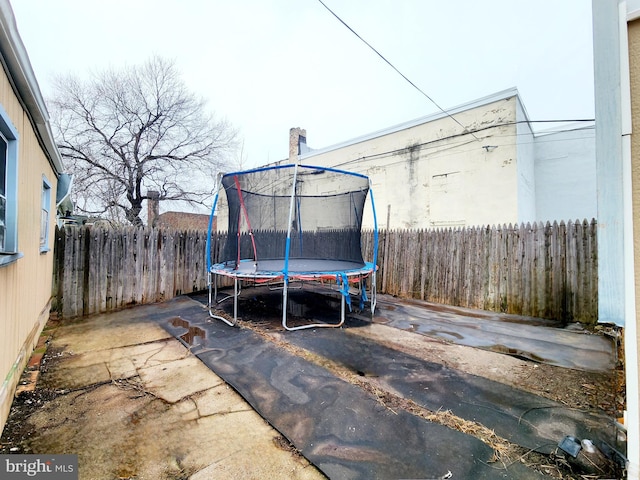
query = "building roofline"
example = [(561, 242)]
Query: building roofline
[(633, 10), (567, 127), (495, 97), (23, 80)]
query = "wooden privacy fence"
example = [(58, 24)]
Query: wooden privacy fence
[(542, 270), (99, 269)]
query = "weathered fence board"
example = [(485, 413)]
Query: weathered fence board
[(100, 269), (542, 270)]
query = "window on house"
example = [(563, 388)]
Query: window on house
[(8, 191), (45, 215), (3, 191)]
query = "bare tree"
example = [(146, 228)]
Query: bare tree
[(126, 132)]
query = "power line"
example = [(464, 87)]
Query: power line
[(398, 71), (431, 143)]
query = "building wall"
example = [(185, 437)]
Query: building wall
[(525, 144), (428, 173), (25, 285), (434, 175), (183, 221), (634, 70), (566, 175)]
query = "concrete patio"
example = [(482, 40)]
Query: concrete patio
[(163, 391), (133, 402)]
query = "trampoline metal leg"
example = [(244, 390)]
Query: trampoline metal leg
[(312, 325), (284, 305), (213, 297), (213, 294)]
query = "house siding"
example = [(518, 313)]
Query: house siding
[(25, 285)]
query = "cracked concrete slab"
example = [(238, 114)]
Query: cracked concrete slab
[(178, 379), (133, 402), (102, 332), (82, 369)]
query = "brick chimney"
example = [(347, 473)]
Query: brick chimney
[(153, 207), (297, 143)]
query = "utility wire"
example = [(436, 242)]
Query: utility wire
[(431, 143), (398, 71)]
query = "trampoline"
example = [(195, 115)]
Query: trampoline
[(291, 224)]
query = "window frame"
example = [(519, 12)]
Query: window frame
[(9, 252), (4, 148), (45, 215)]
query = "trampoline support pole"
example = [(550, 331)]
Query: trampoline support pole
[(284, 303), (235, 300), (374, 293)]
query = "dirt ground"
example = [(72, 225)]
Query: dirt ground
[(72, 414)]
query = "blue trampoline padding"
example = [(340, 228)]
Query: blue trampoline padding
[(297, 267)]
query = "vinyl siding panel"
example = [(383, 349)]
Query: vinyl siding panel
[(25, 285)]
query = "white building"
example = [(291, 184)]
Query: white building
[(431, 172)]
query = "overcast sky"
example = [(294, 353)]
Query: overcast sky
[(268, 66)]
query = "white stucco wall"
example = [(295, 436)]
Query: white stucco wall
[(566, 175), (526, 167), (428, 173)]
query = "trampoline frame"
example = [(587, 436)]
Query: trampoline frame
[(247, 270)]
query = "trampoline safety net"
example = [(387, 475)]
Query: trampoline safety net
[(324, 211), (293, 222)]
